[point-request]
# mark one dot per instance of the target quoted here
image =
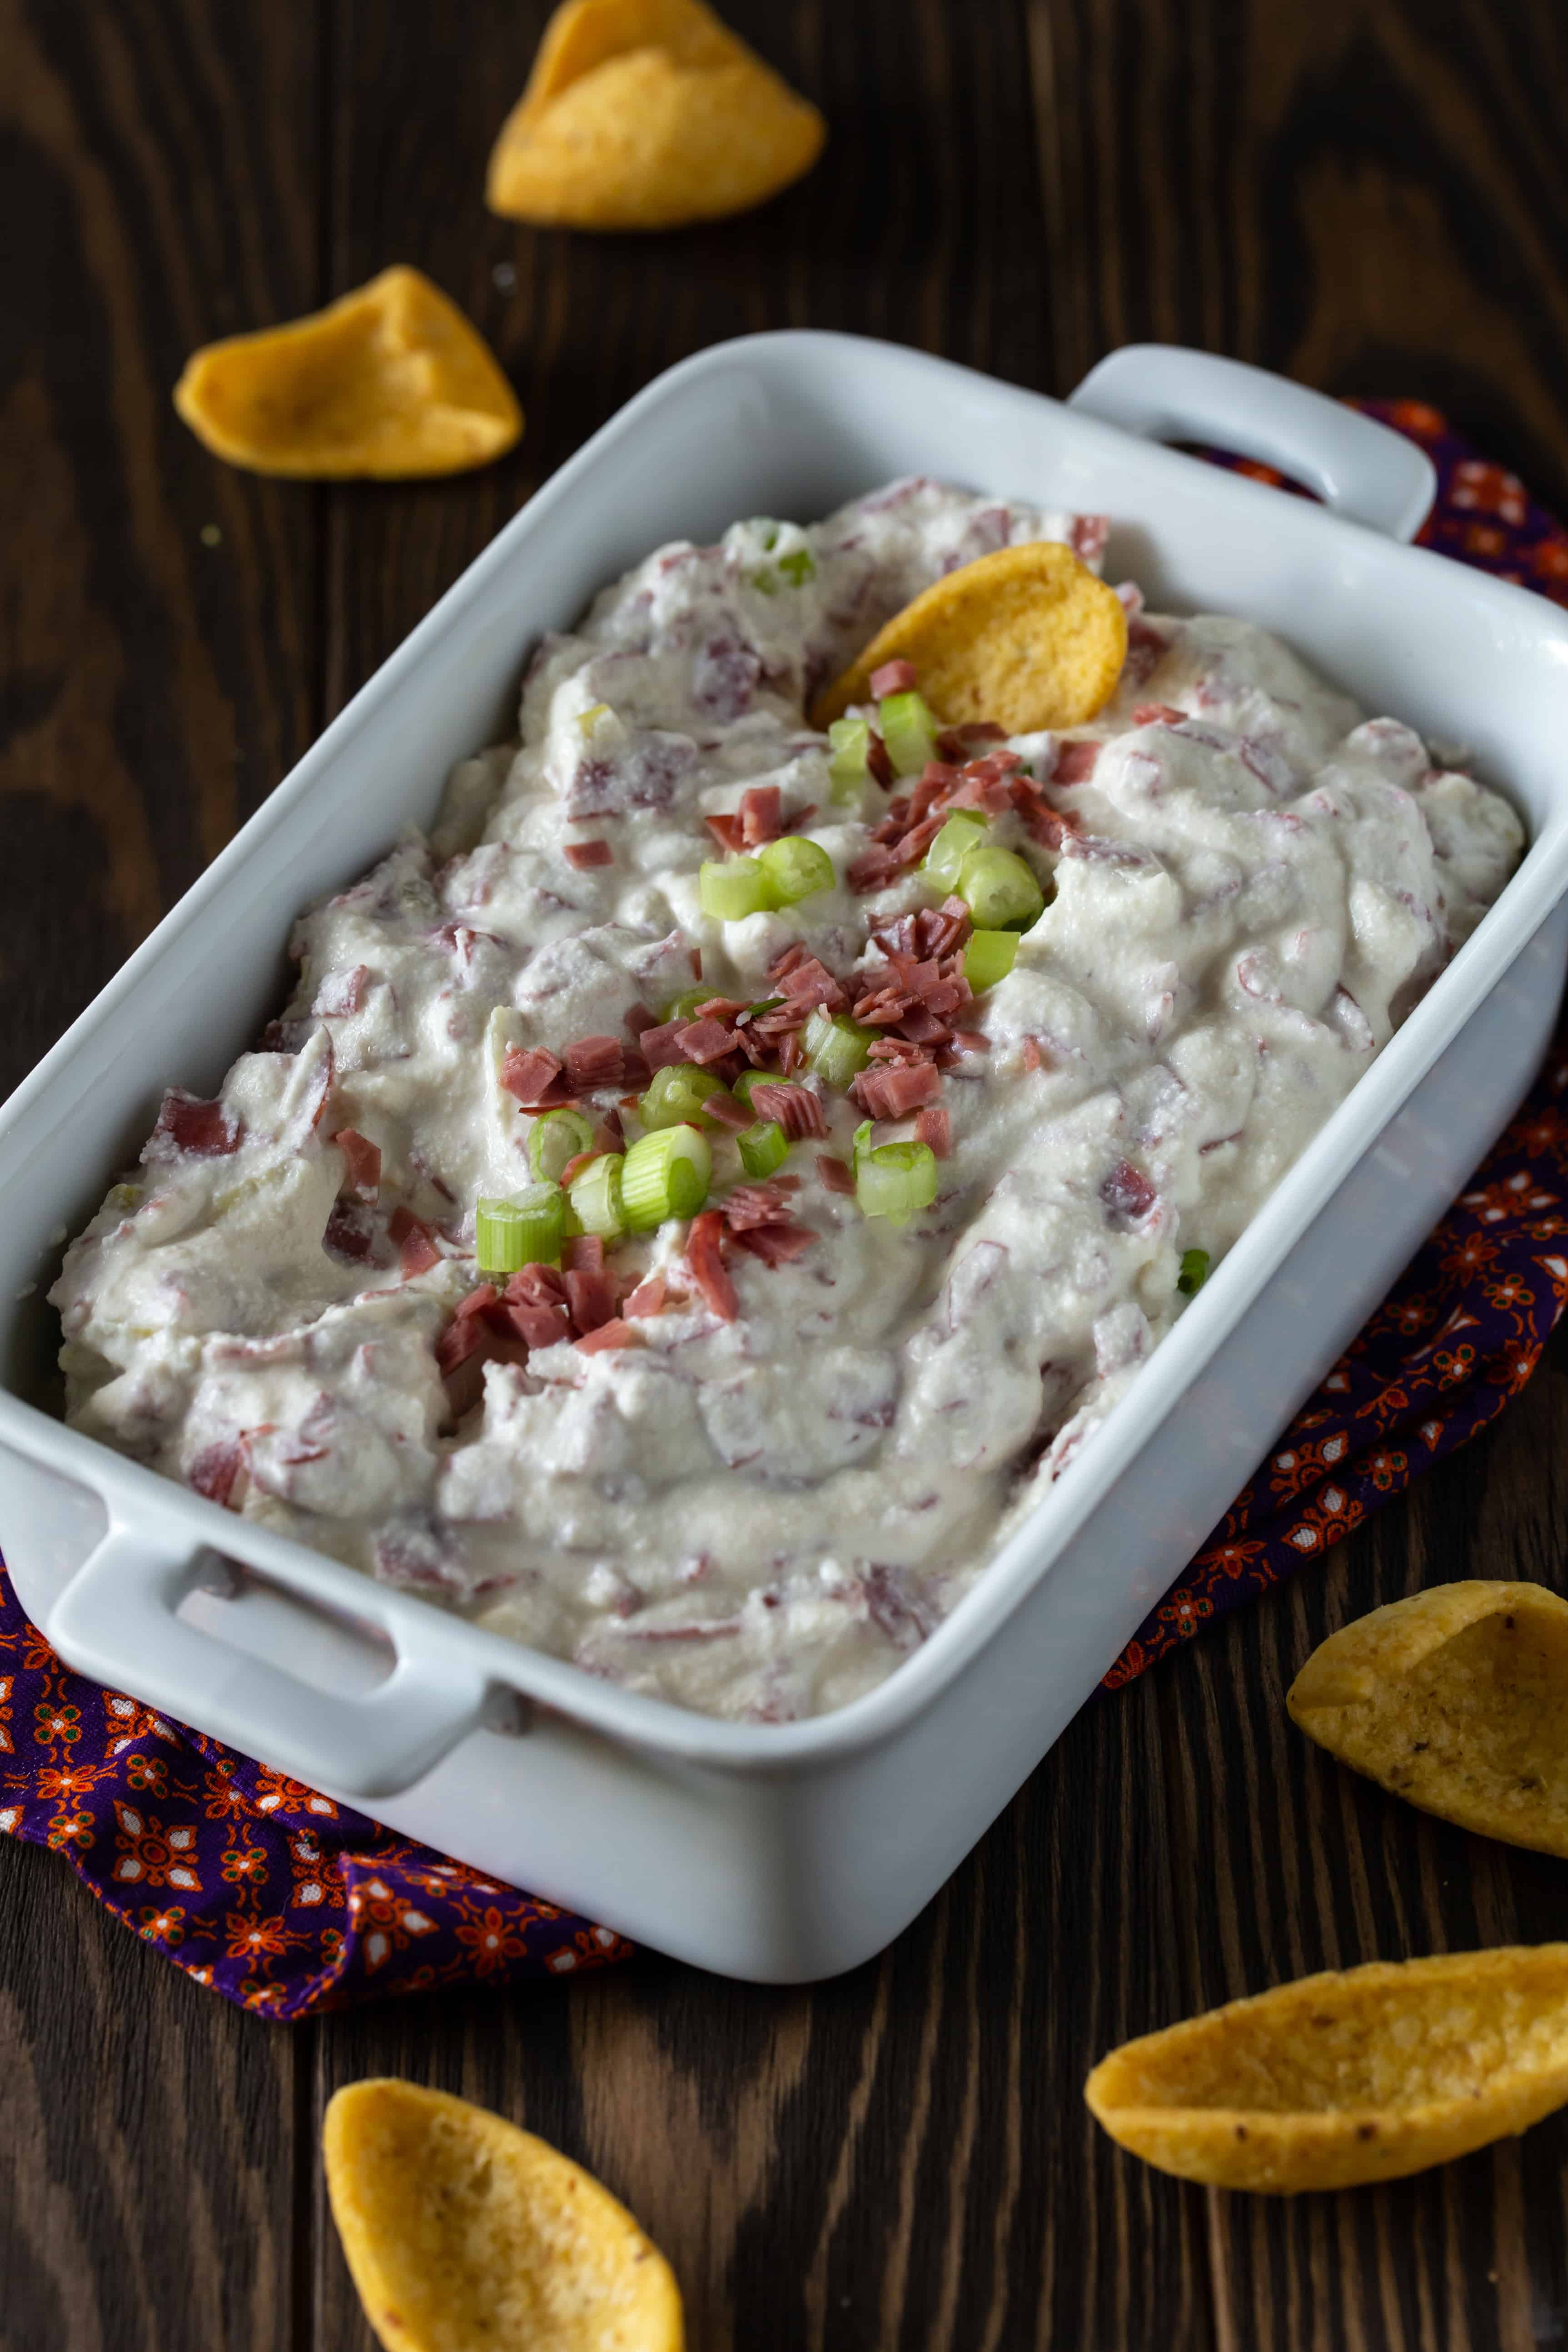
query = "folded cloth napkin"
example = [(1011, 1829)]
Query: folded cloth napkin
[(288, 1903)]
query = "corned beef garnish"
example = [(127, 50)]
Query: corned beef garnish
[(892, 1092), (776, 1245), (186, 1123), (534, 1077), (648, 1297), (659, 1044), (216, 1468), (591, 1296), (465, 1336), (1152, 714), (879, 761), (836, 1174), (933, 1126), (578, 1162), (616, 1334), (1034, 1054), (1126, 1196), (594, 1062), (724, 1110), (809, 984), (637, 1018), (872, 868), (542, 1326), (584, 854), (584, 1254), (1075, 763), (341, 993), (961, 743), (796, 1107), (726, 831), (362, 1163), (759, 810), (536, 1286), (701, 1041), (893, 677), (704, 1255), (351, 1233), (477, 1302), (416, 1244), (762, 1203)]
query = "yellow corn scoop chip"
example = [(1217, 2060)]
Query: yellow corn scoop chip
[(647, 114), (1347, 2077), (1027, 637), (389, 381), (464, 2233), (1455, 1699)]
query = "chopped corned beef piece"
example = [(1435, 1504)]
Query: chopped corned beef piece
[(594, 1062), (186, 1123), (796, 1107), (933, 1126), (362, 1163), (893, 677), (704, 1256), (584, 854)]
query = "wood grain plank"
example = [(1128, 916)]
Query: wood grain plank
[(146, 2140), (156, 685), (159, 189)]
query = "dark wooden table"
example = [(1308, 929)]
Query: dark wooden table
[(1372, 194)]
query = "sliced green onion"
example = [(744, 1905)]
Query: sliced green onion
[(909, 731), (742, 1089), (687, 1005), (895, 1180), (959, 835), (763, 1147), (676, 1095), (860, 1143), (666, 1175), (556, 1137), (794, 868), (798, 566), (525, 1229), (988, 958), (849, 742), (733, 887), (1194, 1272), (595, 1195), (999, 891), (837, 1047)]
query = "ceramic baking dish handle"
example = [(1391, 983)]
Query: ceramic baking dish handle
[(116, 1621), (1362, 469)]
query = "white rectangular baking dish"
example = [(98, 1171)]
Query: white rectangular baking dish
[(791, 1851)]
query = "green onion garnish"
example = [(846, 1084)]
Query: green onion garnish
[(837, 1047), (959, 835), (733, 887), (666, 1175), (909, 731), (988, 958), (676, 1096), (556, 1137), (763, 1147), (525, 1229), (895, 1180), (849, 742), (742, 1089), (595, 1197), (690, 1002), (793, 868), (999, 891), (1194, 1272), (798, 566)]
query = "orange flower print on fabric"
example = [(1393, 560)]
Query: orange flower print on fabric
[(490, 1940), (152, 1855)]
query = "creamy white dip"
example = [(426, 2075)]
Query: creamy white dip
[(759, 1517)]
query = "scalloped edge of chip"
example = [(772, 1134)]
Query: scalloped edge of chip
[(1183, 2100), (1027, 637), (390, 381), (1457, 1700), (462, 2231)]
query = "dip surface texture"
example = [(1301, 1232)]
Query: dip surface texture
[(759, 1512)]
